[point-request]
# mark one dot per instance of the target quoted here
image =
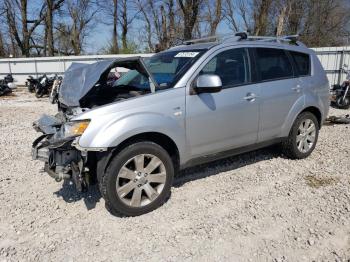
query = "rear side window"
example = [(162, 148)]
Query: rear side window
[(302, 63), (273, 64), (231, 66)]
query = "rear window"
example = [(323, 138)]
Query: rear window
[(302, 62), (273, 64)]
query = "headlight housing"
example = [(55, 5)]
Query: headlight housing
[(76, 128)]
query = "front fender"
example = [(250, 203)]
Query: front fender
[(109, 134)]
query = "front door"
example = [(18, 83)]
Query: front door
[(228, 119)]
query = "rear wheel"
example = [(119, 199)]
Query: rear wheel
[(302, 138), (38, 91), (343, 103), (138, 179)]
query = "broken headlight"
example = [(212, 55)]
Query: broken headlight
[(76, 128)]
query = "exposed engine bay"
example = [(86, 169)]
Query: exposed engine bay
[(87, 86)]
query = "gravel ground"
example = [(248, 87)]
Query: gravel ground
[(254, 207)]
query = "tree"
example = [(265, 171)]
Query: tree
[(190, 12), (330, 28), (126, 16), (110, 11), (81, 14), (160, 23), (237, 15), (213, 15), (295, 16), (261, 12), (143, 7), (52, 5), (22, 28), (14, 7), (3, 52), (230, 15)]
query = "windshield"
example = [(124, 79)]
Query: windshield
[(166, 68)]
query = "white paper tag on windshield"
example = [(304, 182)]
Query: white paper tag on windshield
[(187, 54)]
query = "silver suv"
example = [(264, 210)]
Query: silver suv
[(194, 103)]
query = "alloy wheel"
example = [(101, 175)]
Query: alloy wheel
[(306, 135), (141, 180)]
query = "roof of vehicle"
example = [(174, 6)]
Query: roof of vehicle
[(240, 39)]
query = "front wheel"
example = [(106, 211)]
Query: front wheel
[(303, 137), (138, 179)]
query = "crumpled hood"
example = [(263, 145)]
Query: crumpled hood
[(79, 79)]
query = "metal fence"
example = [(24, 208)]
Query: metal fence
[(20, 68), (332, 59)]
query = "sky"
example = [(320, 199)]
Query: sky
[(100, 34)]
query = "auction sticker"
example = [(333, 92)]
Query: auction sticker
[(187, 54)]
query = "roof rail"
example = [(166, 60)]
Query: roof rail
[(243, 36), (203, 39)]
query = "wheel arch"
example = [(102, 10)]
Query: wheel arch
[(298, 108), (317, 112), (156, 137)]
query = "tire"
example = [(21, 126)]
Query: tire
[(128, 200), (343, 103), (290, 147), (38, 92)]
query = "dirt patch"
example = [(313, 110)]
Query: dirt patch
[(317, 182)]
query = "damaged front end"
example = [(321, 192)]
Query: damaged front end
[(85, 87), (56, 148)]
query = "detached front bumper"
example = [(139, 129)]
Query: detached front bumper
[(39, 151), (61, 159)]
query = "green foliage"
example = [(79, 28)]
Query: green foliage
[(132, 48)]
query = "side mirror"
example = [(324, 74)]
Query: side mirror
[(207, 84)]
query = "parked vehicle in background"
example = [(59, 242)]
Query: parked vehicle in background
[(55, 89), (44, 85), (4, 89), (8, 81), (31, 83), (197, 102), (340, 94)]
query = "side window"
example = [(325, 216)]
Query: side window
[(302, 62), (273, 64), (231, 66)]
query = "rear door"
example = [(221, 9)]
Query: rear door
[(280, 89)]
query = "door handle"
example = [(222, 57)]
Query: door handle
[(297, 88), (250, 97)]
